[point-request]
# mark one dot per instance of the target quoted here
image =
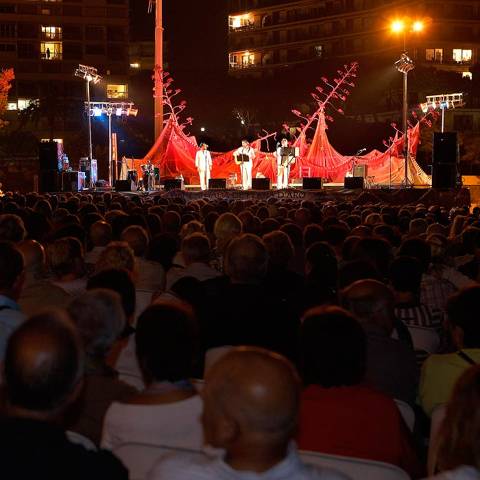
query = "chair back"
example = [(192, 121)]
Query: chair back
[(438, 415), (140, 458), (424, 339), (355, 468)]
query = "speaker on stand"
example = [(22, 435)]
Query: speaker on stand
[(444, 160)]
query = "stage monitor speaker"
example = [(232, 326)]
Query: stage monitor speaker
[(444, 147), (173, 184), (49, 181), (444, 175), (312, 183), (353, 183), (360, 170), (123, 185), (48, 156), (217, 183), (260, 184)]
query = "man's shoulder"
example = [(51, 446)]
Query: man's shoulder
[(182, 466)]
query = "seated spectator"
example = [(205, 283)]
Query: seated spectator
[(11, 284), (196, 256), (37, 291), (100, 237), (167, 412), (227, 227), (440, 372), (151, 275), (66, 262), (99, 318), (456, 455), (391, 364), (117, 255), (251, 399), (339, 413), (43, 373), (12, 228)]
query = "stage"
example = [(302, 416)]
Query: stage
[(458, 197)]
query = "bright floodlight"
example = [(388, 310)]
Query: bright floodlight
[(418, 26), (397, 26), (405, 64)]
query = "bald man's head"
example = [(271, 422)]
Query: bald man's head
[(100, 233), (250, 394), (33, 256), (43, 364)]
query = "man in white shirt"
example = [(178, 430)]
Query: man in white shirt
[(203, 163), (250, 409), (284, 162), (246, 164)]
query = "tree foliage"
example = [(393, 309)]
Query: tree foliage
[(6, 78)]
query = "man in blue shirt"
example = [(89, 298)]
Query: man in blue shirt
[(11, 281)]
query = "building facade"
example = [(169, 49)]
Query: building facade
[(267, 35), (45, 41)]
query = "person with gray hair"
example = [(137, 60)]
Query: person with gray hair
[(100, 234), (99, 319)]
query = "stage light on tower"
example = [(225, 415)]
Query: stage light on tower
[(418, 26), (397, 26)]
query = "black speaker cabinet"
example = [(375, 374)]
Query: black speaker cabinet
[(123, 185), (48, 155), (217, 183), (444, 175), (49, 181), (73, 181), (360, 170), (173, 184), (312, 183), (444, 147), (260, 184), (353, 182)]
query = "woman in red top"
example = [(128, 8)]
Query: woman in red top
[(339, 413)]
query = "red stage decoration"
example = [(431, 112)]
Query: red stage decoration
[(174, 151)]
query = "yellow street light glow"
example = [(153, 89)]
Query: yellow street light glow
[(417, 26), (397, 26)]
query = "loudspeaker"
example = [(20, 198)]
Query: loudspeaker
[(220, 183), (49, 181), (123, 185), (260, 184), (48, 155), (73, 181), (312, 183), (444, 147), (173, 184), (360, 170), (353, 182), (444, 175)]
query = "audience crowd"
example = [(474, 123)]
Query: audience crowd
[(147, 337)]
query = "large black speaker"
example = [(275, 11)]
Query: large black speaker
[(48, 155), (173, 184), (123, 185), (217, 183), (312, 183), (73, 181), (49, 181), (444, 147), (260, 184), (444, 175), (353, 182)]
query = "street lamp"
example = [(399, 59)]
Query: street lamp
[(404, 65), (119, 109), (89, 74)]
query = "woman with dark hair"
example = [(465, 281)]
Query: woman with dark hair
[(457, 448), (339, 413), (167, 412)]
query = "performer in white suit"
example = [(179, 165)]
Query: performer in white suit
[(203, 162), (246, 165), (284, 162)]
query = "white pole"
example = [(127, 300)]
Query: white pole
[(158, 68)]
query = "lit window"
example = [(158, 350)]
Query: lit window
[(318, 50), (240, 21), (462, 56), (117, 91), (12, 106), (467, 75), (434, 55), (51, 33), (248, 59), (233, 60), (24, 103), (135, 65), (51, 50)]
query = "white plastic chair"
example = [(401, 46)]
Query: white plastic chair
[(140, 458), (425, 339), (80, 439), (407, 413), (355, 468), (438, 415)]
